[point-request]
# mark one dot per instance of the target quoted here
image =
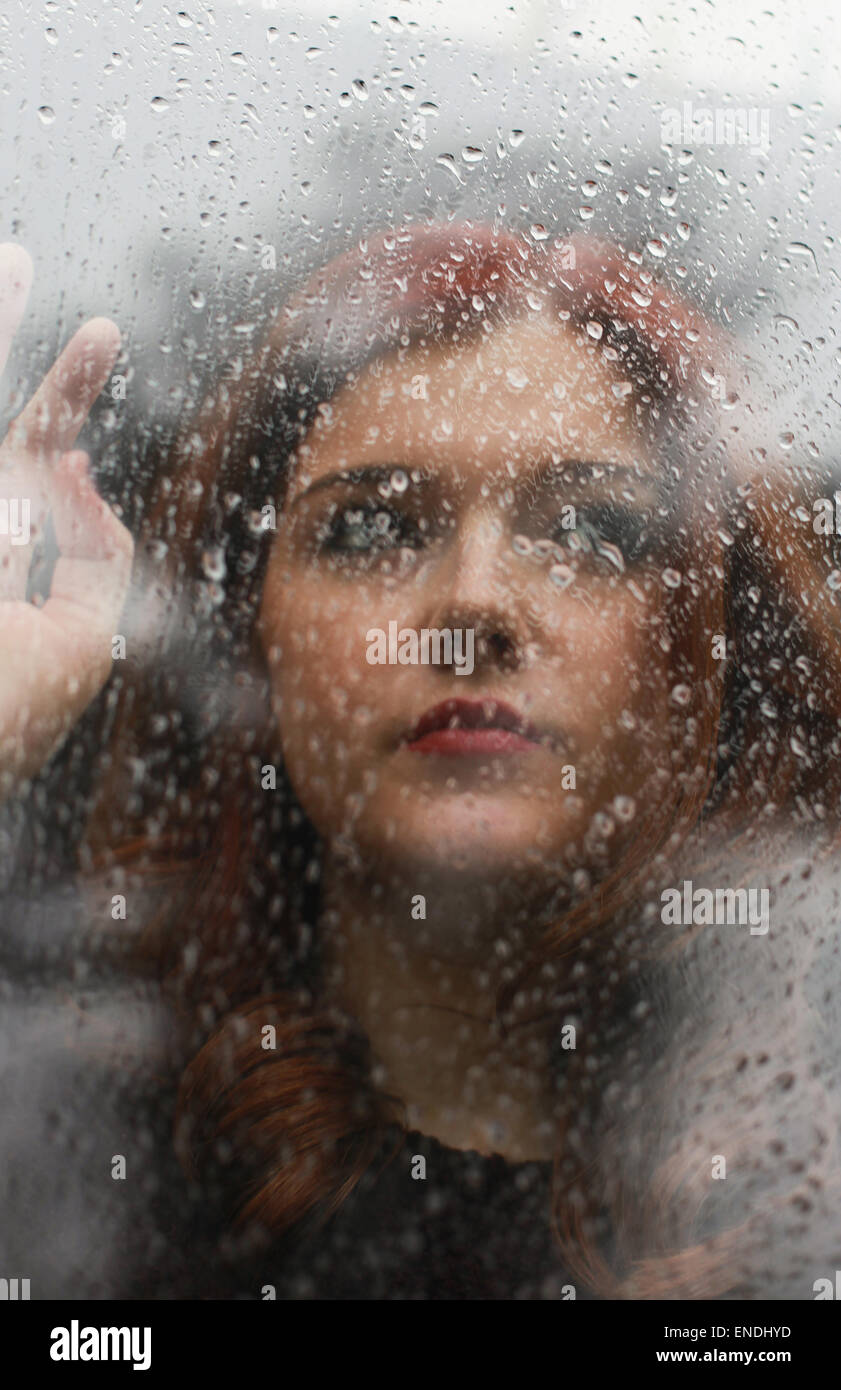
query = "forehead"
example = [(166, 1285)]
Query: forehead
[(518, 394)]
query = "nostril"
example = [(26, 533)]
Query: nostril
[(498, 648), (494, 638)]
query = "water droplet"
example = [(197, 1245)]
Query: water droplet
[(214, 149), (613, 555), (656, 248), (399, 480), (586, 212), (521, 545), (516, 138), (538, 231), (561, 576), (51, 36), (516, 378), (46, 115), (360, 91), (471, 154), (447, 161), (594, 330), (159, 104), (625, 808), (681, 695), (800, 248), (785, 439), (213, 562), (603, 824), (197, 299), (671, 578), (834, 580)]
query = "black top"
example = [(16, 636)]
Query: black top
[(474, 1227)]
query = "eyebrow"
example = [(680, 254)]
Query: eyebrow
[(543, 472), (550, 472), (365, 473)]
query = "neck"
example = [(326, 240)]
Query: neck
[(420, 971)]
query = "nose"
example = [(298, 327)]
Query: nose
[(474, 591)]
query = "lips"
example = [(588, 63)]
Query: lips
[(465, 727)]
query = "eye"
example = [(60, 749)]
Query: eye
[(619, 534), (366, 527)]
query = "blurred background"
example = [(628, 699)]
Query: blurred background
[(177, 169)]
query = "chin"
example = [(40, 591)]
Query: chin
[(477, 835)]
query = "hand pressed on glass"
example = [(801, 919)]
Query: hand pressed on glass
[(54, 658)]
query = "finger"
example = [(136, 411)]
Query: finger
[(50, 423), (16, 274)]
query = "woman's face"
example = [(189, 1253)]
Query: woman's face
[(502, 491)]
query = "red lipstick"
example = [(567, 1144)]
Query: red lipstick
[(461, 728)]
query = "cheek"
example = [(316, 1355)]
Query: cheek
[(603, 651), (323, 695)]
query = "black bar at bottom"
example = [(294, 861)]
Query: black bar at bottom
[(224, 1341)]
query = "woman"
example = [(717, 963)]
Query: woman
[(409, 911)]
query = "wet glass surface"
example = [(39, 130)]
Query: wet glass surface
[(420, 781)]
